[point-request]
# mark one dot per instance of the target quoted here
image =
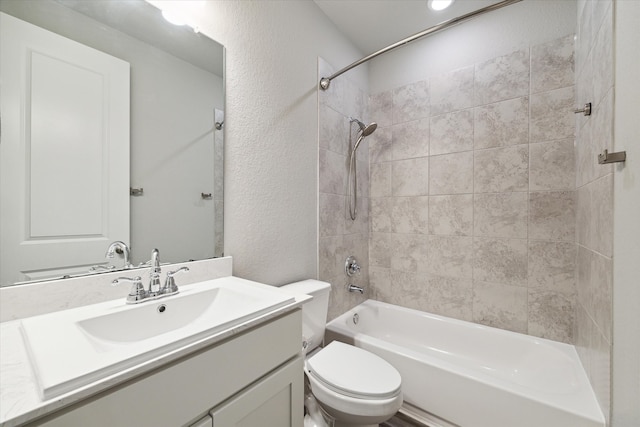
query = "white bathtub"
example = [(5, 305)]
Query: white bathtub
[(469, 375)]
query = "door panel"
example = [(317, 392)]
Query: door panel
[(64, 153)]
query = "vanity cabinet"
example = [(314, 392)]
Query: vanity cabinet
[(267, 402), (254, 378)]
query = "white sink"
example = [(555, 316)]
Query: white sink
[(72, 348)]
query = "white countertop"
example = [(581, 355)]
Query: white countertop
[(20, 400)]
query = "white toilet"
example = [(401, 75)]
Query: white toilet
[(352, 385)]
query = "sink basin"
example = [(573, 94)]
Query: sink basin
[(73, 348)]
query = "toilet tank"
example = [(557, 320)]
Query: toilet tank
[(314, 311)]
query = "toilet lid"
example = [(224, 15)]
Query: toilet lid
[(354, 371)]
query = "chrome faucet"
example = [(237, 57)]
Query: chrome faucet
[(138, 294), (354, 288), (154, 274), (121, 248)]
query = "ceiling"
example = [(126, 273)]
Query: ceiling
[(374, 24), (143, 21)]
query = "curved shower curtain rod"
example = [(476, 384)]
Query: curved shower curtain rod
[(326, 81)]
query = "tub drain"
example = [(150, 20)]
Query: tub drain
[(356, 318)]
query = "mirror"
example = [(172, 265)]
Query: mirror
[(176, 129)]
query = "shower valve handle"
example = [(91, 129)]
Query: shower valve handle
[(351, 266)]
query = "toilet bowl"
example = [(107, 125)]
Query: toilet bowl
[(353, 386)]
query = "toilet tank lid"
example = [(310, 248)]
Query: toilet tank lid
[(308, 287)]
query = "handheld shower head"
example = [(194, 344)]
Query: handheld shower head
[(365, 129)]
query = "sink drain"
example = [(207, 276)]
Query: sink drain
[(162, 308), (356, 318)]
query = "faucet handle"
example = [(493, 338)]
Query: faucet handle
[(137, 292), (170, 286)]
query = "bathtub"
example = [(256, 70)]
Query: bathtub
[(457, 373)]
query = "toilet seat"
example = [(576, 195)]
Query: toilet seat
[(362, 410), (351, 371)]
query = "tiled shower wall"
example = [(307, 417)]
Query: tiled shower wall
[(339, 236), (472, 201), (594, 182)]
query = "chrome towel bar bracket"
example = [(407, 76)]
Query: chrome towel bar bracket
[(586, 110), (607, 157)]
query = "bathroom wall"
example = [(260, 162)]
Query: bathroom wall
[(271, 145), (339, 235), (271, 136), (625, 363), (594, 202), (472, 201)]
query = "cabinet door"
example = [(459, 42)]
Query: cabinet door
[(277, 400)]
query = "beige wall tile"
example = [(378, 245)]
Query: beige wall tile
[(500, 214), (380, 145), (380, 177), (552, 215), (603, 52), (380, 250), (451, 173), (500, 306), (585, 294), (552, 64), (602, 215), (501, 169), (552, 165), (410, 139), (331, 214), (584, 232), (381, 108), (334, 130), (410, 215), (500, 261), (380, 214), (380, 283), (451, 132), (552, 266), (333, 177), (451, 214), (448, 256), (410, 177), (330, 260), (552, 115), (452, 91), (601, 289), (411, 102), (501, 78), (408, 251), (502, 124), (449, 297), (551, 315)]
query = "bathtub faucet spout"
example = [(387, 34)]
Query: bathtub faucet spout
[(354, 288)]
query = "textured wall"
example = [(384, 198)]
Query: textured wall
[(472, 201), (271, 133), (594, 182)]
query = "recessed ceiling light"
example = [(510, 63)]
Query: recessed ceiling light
[(439, 4)]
